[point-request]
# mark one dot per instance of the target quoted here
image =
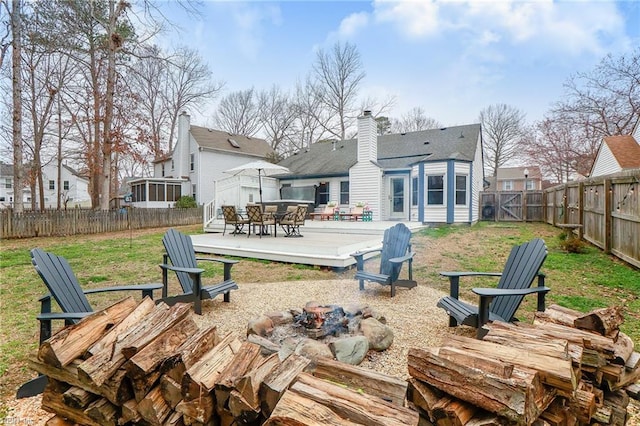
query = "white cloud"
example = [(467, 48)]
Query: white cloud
[(353, 24), (566, 27), (249, 19)]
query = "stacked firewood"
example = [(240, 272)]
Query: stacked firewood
[(142, 363), (564, 369)]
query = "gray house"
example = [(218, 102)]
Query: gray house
[(430, 176)]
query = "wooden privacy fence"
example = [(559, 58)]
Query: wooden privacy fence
[(512, 206), (81, 221), (607, 208)]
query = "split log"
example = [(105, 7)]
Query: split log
[(296, 410), (423, 396), (248, 387), (453, 412), (242, 410), (369, 381), (129, 412), (171, 391), (103, 412), (76, 397), (633, 361), (143, 385), (633, 391), (59, 421), (175, 419), (279, 380), (153, 408), (152, 356), (189, 352), (202, 376), (99, 367), (197, 410), (247, 357), (520, 398), (557, 414), (623, 349), (349, 404), (72, 341), (556, 372), (605, 322), (52, 402), (586, 339), (557, 314), (617, 402), (583, 405), (116, 389), (137, 315)]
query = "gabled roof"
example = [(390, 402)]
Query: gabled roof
[(625, 149), (228, 142), (396, 151), (514, 173)]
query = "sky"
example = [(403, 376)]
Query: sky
[(451, 58)]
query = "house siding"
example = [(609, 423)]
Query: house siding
[(605, 162), (435, 214), (461, 212), (366, 186), (477, 182)]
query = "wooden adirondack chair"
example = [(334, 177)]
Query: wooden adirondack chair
[(57, 275), (180, 257), (501, 303), (396, 250)]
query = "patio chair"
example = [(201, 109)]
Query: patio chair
[(293, 219), (63, 286), (232, 217), (395, 251), (261, 219), (181, 255), (501, 303), (328, 213)]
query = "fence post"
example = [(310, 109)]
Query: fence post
[(608, 203), (581, 209)]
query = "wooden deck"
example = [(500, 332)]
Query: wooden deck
[(324, 243)]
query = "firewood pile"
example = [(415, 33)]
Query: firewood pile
[(566, 368), (142, 363)]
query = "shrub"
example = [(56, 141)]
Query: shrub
[(186, 202), (570, 243)]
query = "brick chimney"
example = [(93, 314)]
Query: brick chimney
[(367, 138)]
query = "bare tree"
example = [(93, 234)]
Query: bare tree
[(189, 85), (16, 32), (277, 116), (414, 120), (5, 32), (310, 120), (337, 76), (237, 113), (604, 101), (502, 130)]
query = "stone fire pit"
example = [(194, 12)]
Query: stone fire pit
[(345, 333)]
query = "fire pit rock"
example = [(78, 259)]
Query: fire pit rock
[(329, 331)]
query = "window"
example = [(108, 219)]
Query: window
[(323, 193), (435, 190), (461, 190), (139, 192), (192, 162), (8, 183), (52, 184), (530, 184), (193, 192), (162, 169), (173, 192), (65, 185), (507, 185), (344, 192), (414, 191), (156, 192), (172, 168)]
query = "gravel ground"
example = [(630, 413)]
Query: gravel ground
[(412, 315)]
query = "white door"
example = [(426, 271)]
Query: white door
[(397, 198)]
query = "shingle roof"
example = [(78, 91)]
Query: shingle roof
[(625, 149), (518, 172), (395, 151), (224, 141)]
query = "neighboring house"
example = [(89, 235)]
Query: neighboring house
[(199, 158), (430, 176), (516, 179), (75, 188), (617, 153)]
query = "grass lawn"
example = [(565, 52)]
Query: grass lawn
[(579, 281)]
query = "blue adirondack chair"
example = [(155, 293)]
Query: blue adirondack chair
[(180, 257), (501, 303), (395, 251), (57, 275)]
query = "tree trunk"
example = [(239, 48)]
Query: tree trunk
[(18, 177)]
